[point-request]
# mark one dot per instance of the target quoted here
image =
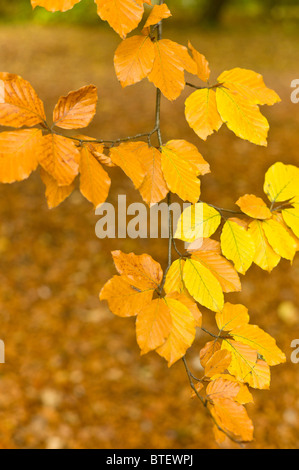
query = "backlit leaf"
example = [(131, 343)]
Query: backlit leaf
[(241, 116), (94, 180), (181, 164), (197, 221), (55, 5), (153, 188), (237, 245), (19, 152), (55, 194), (123, 298), (254, 207), (182, 331), (59, 157), (249, 84), (158, 13), (20, 105), (279, 239), (265, 257), (202, 285), (153, 325), (232, 316), (203, 69), (281, 182), (122, 15), (202, 114), (126, 157), (134, 59), (77, 109)]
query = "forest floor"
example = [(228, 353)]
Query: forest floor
[(73, 376)]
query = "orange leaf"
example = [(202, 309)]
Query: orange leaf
[(181, 164), (171, 59), (20, 105), (182, 331), (207, 352), (221, 388), (122, 15), (158, 13), (232, 316), (94, 180), (134, 59), (55, 194), (222, 269), (142, 270), (19, 154), (77, 109), (202, 114), (124, 299), (218, 363), (232, 418), (126, 157), (153, 188), (59, 157), (203, 69), (153, 325), (188, 301), (55, 5), (254, 207)]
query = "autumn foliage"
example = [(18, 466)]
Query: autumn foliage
[(167, 304)]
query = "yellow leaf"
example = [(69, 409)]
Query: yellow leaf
[(153, 325), (126, 157), (232, 418), (281, 182), (232, 316), (246, 366), (19, 105), (203, 70), (182, 331), (19, 152), (291, 217), (279, 239), (59, 157), (197, 221), (202, 114), (77, 109), (123, 298), (153, 188), (171, 59), (265, 257), (122, 15), (158, 13), (241, 116), (181, 164), (134, 59), (249, 84), (254, 207), (55, 194), (54, 5), (94, 180), (218, 363), (258, 339), (221, 268), (142, 271), (202, 285), (188, 301), (174, 277), (237, 245)]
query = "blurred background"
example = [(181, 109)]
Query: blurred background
[(73, 376)]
